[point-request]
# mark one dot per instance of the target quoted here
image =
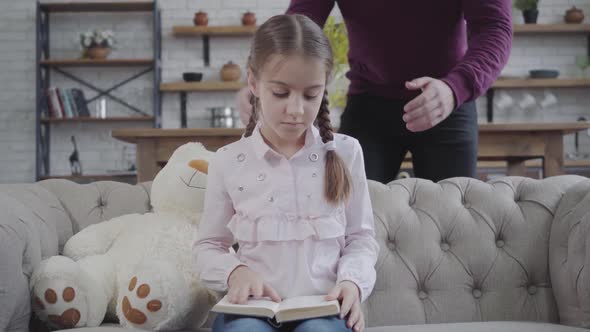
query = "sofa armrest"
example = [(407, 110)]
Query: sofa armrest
[(569, 256), (33, 226)]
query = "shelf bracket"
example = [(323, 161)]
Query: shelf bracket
[(107, 92), (206, 49), (183, 109), (490, 105)]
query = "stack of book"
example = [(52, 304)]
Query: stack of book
[(65, 103)]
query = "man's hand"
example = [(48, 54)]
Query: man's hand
[(434, 104), (349, 294)]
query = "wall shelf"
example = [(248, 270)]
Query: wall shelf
[(530, 29), (201, 86), (237, 30), (112, 6), (96, 63), (552, 28), (99, 120), (206, 31), (541, 83)]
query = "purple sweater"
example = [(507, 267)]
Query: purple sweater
[(394, 41)]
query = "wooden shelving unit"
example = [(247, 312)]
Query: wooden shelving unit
[(205, 32), (99, 120), (46, 66), (96, 63), (201, 86)]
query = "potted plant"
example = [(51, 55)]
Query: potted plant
[(529, 9), (337, 34), (97, 44)]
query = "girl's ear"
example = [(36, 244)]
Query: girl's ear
[(252, 83)]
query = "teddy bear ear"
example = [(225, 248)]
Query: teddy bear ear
[(200, 165)]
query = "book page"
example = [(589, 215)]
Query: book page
[(255, 307), (301, 302)]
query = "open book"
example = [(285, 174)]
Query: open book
[(295, 308)]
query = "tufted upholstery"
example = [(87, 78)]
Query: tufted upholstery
[(513, 249), (464, 250), (36, 220)]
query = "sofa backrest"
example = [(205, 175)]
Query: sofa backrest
[(464, 250), (88, 204)]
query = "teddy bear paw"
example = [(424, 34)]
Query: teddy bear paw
[(60, 310), (139, 308)]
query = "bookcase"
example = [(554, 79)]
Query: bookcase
[(45, 116)]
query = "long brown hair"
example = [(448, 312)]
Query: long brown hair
[(297, 34)]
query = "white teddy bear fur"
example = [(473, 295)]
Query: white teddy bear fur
[(138, 267)]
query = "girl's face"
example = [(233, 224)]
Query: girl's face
[(290, 89)]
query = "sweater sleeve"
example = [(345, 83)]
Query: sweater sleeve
[(317, 10), (357, 263), (214, 260), (489, 25)]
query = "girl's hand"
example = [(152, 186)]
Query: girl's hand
[(349, 294), (243, 282)]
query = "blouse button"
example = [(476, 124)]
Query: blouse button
[(261, 177), (313, 157), (271, 199), (314, 175), (240, 188), (241, 157)]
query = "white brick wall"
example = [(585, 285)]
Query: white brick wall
[(100, 153)]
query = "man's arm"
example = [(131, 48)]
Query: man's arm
[(489, 24)]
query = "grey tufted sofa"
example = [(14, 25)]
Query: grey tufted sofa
[(512, 254)]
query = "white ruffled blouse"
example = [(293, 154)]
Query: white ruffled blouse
[(286, 230)]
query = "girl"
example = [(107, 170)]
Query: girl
[(293, 195)]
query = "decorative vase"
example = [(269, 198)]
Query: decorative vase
[(530, 16), (230, 72), (97, 52), (249, 19), (574, 15), (201, 18)]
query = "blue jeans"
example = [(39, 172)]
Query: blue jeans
[(235, 323)]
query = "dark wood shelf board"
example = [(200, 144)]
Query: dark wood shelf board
[(111, 6), (97, 63), (92, 119)]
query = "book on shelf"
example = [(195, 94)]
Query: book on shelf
[(291, 309), (65, 103), (55, 104), (80, 102)]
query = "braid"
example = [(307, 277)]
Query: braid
[(253, 116), (323, 120), (338, 182)]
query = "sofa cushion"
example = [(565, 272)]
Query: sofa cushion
[(569, 256), (88, 204), (450, 327), (462, 250)]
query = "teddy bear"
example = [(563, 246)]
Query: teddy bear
[(135, 268)]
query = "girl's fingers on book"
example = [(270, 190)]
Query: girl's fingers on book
[(258, 291), (270, 292), (334, 293), (347, 303), (360, 325), (243, 295), (354, 316)]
